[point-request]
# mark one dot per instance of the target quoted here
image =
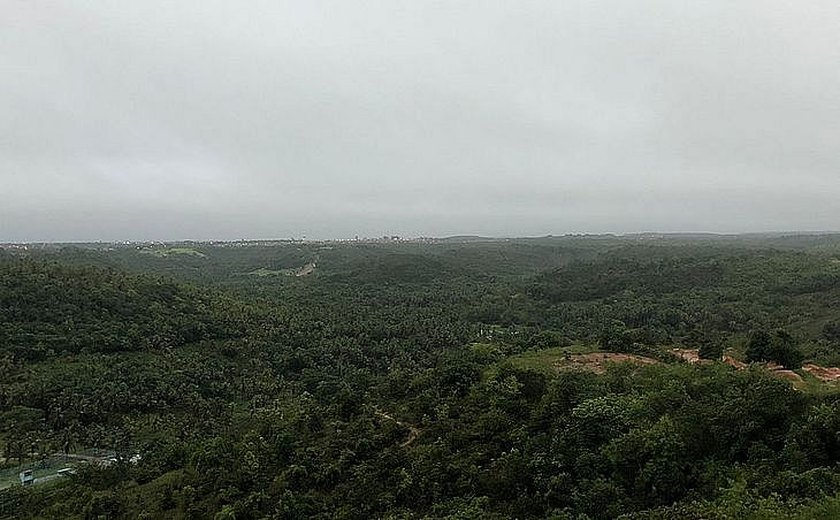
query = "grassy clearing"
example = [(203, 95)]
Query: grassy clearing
[(299, 271), (9, 476), (813, 385), (173, 251), (547, 360)]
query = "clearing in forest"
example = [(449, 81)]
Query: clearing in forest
[(580, 357), (820, 373), (597, 361), (589, 358), (306, 270), (173, 251)]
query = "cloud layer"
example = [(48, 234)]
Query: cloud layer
[(168, 120)]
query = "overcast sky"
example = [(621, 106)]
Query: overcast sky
[(270, 119)]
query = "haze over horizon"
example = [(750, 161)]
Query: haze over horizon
[(162, 121), (465, 237)]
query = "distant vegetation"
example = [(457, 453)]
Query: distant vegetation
[(533, 378), (171, 251)]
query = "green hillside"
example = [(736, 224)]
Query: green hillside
[(529, 378)]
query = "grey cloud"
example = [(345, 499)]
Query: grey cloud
[(129, 120)]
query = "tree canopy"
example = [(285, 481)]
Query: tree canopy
[(422, 380)]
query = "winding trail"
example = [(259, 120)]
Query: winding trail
[(413, 431)]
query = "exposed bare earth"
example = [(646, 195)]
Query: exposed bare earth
[(826, 374), (692, 355), (740, 365), (597, 361), (306, 270), (784, 373), (689, 355)]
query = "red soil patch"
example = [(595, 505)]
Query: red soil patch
[(689, 355), (790, 375), (692, 355), (597, 361), (782, 372), (740, 365), (827, 374)]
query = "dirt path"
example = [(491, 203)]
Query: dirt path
[(825, 374), (413, 431)]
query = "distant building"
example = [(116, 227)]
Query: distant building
[(27, 477)]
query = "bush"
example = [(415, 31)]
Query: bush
[(778, 347)]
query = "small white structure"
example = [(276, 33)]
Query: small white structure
[(27, 477)]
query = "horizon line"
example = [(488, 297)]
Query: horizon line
[(397, 237)]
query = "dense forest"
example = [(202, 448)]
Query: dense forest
[(579, 377)]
